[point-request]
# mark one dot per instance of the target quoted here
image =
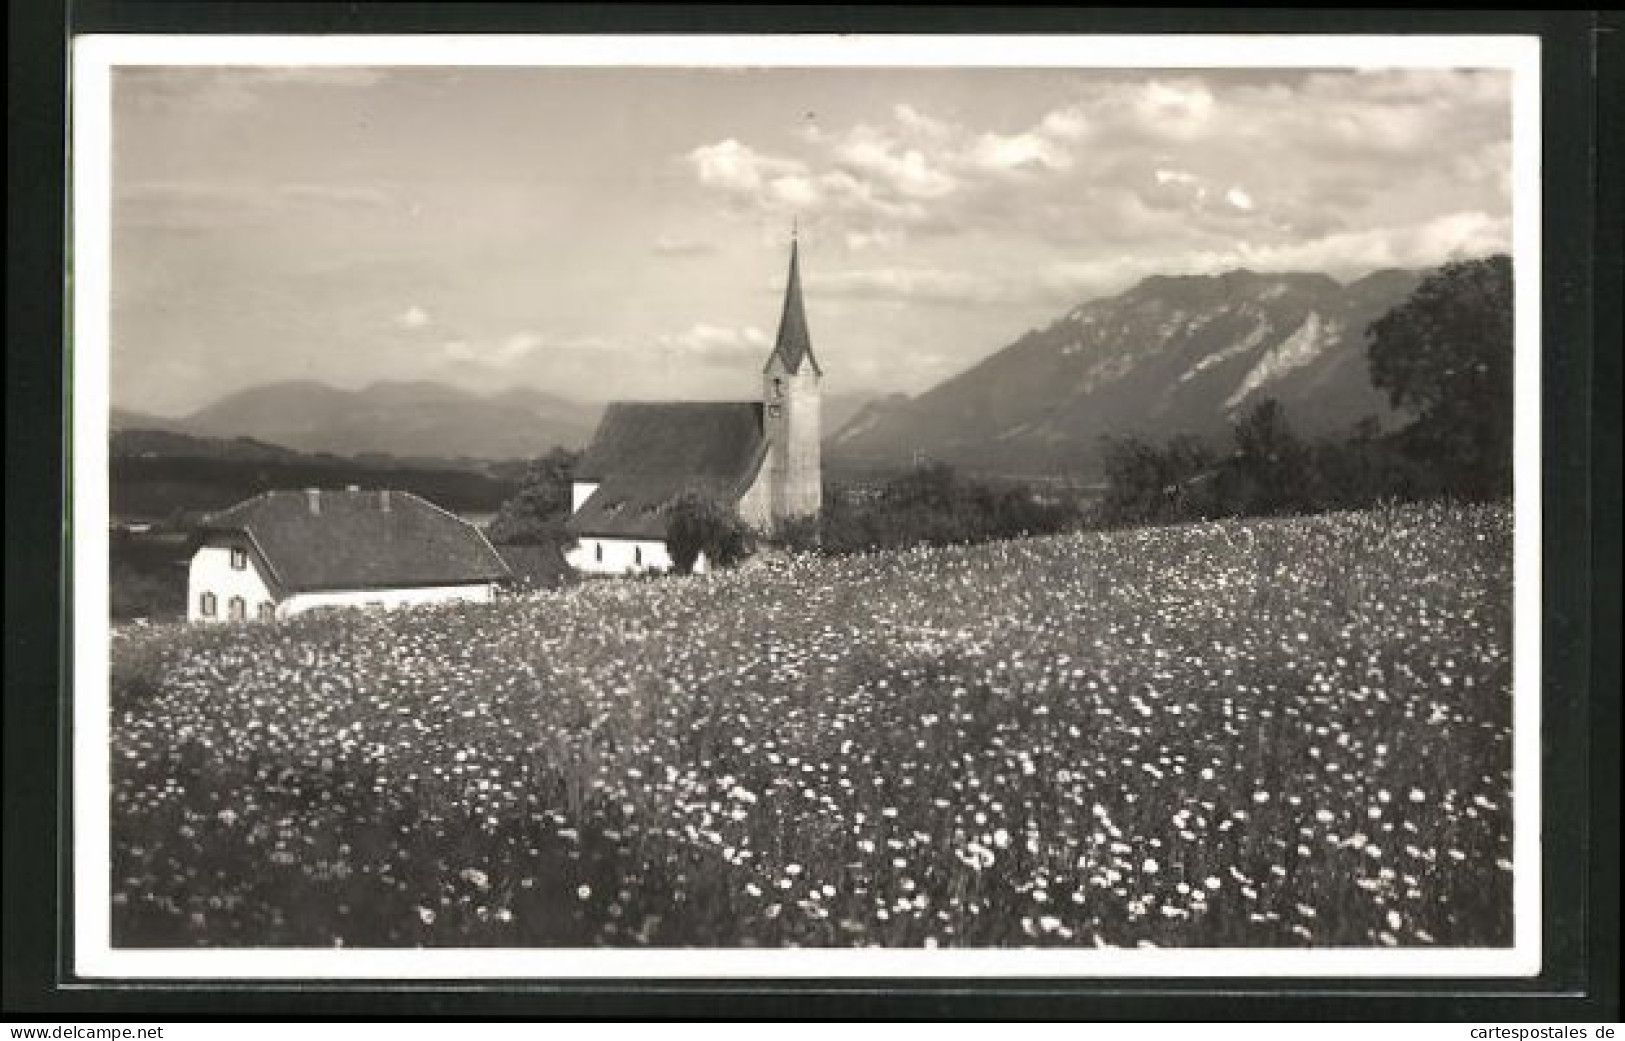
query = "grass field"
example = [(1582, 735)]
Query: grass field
[(1291, 732)]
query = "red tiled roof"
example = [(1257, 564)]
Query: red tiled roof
[(352, 541)]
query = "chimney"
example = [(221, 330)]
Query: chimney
[(314, 497), (383, 500)]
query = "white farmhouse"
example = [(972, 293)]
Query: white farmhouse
[(760, 457), (282, 553)]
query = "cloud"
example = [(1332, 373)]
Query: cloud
[(1179, 109), (701, 342), (506, 352), (1199, 137), (413, 317), (917, 122), (1065, 124), (894, 166), (1344, 254), (1450, 237), (913, 170), (917, 284), (1009, 153), (796, 191), (857, 241), (733, 167), (713, 342)]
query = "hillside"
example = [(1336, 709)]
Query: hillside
[(1172, 355), (159, 475), (1150, 736), (404, 419)]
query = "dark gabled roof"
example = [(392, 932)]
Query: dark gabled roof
[(711, 439), (794, 342), (634, 506), (647, 453), (352, 541)]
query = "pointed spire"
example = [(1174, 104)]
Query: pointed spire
[(794, 343)]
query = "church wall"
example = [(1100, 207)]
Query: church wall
[(580, 492), (756, 505), (620, 556), (803, 465), (794, 459)]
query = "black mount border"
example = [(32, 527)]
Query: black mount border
[(1582, 60)]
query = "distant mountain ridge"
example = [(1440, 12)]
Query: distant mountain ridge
[(406, 419), (1174, 354)]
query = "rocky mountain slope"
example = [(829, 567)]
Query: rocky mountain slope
[(1172, 355)]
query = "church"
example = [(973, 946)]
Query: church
[(759, 457)]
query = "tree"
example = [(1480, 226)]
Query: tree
[(536, 514), (1445, 355), (697, 524), (1148, 484), (1271, 471)]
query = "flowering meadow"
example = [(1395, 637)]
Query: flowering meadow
[(1267, 732)]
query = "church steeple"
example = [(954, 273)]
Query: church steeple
[(794, 343), (790, 410)]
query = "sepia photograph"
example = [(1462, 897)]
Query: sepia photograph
[(807, 505)]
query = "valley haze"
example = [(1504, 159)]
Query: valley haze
[(1172, 355)]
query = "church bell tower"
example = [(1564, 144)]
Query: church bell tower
[(790, 404)]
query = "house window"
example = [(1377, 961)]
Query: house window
[(206, 605), (598, 552), (267, 611), (236, 609), (239, 559)]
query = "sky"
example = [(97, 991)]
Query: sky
[(623, 233)]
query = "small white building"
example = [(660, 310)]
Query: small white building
[(282, 553), (759, 457)]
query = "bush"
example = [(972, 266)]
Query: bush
[(934, 506), (697, 524), (536, 515), (801, 534), (1269, 472), (1150, 485)]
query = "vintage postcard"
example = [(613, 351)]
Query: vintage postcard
[(806, 506)]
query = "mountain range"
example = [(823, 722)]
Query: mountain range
[(403, 419), (1173, 354), (1186, 354)]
